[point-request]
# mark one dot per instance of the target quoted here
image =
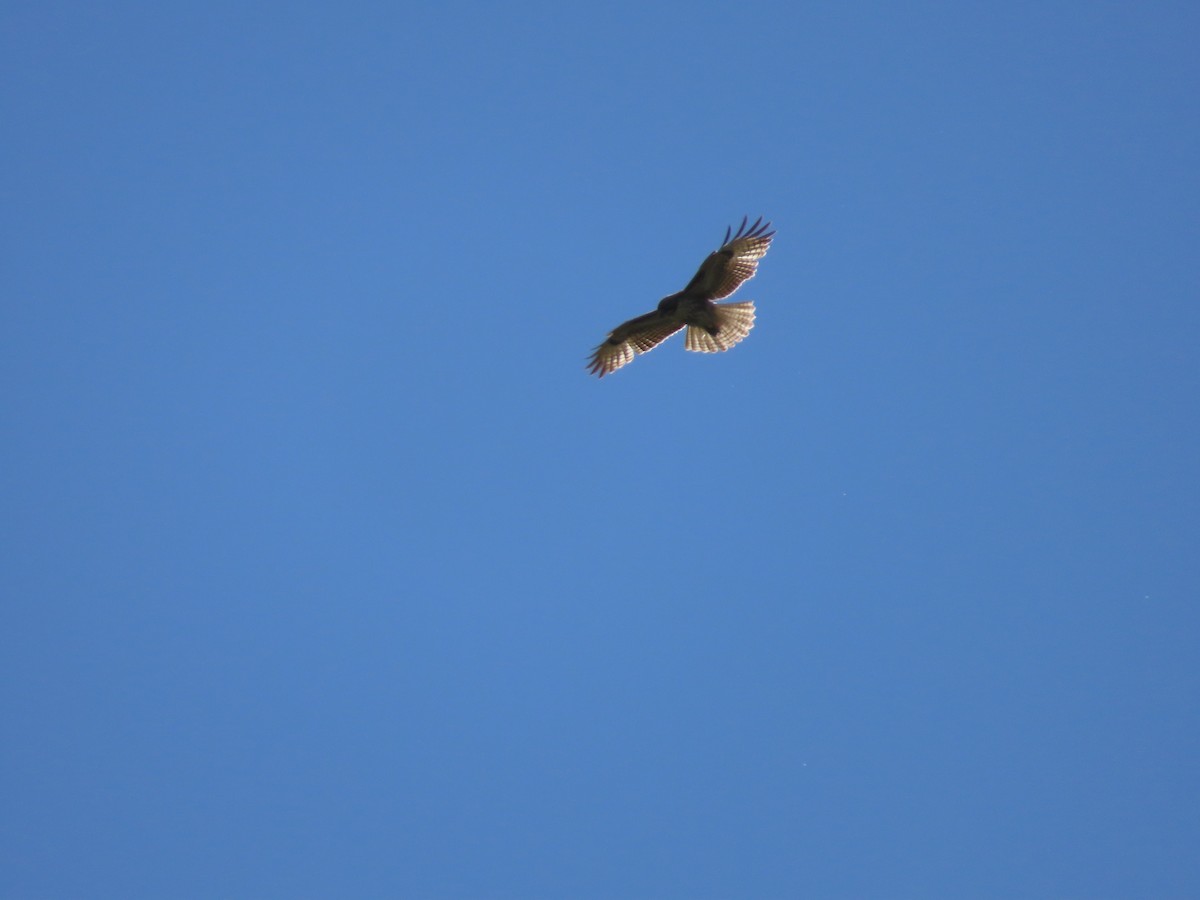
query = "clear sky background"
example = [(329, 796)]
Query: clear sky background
[(328, 571)]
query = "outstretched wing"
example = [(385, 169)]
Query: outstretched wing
[(627, 341), (725, 269)]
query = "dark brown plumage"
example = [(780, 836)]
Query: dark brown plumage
[(711, 327)]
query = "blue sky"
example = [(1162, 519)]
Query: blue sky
[(328, 571)]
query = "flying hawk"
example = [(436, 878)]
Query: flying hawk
[(711, 327)]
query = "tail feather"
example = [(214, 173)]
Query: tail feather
[(734, 321)]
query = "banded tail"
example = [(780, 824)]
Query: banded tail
[(734, 321)]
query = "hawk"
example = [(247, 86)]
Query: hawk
[(711, 327)]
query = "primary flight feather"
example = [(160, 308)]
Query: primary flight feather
[(711, 326)]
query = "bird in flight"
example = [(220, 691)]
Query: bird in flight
[(711, 327)]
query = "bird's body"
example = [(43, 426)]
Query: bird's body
[(711, 326)]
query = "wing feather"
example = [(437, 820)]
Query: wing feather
[(734, 263), (636, 336)]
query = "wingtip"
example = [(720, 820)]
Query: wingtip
[(758, 229), (594, 365)]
